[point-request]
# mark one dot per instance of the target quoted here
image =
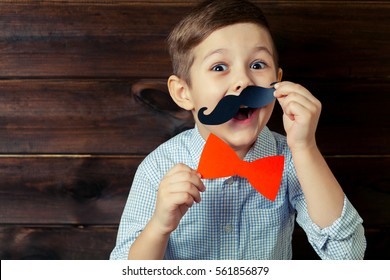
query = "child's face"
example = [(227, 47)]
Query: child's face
[(226, 62)]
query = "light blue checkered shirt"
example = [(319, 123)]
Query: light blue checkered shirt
[(234, 221)]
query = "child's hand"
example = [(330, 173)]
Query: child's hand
[(178, 190), (301, 113)]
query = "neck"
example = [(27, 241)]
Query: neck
[(241, 152)]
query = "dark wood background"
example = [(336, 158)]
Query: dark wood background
[(83, 100)]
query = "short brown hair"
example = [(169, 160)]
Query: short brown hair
[(205, 18)]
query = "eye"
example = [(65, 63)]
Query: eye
[(258, 65), (219, 68)]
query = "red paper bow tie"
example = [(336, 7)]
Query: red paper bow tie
[(219, 160)]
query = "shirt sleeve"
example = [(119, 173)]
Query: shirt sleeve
[(343, 240), (138, 210)]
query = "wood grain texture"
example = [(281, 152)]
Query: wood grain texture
[(134, 117), (93, 191), (87, 117), (96, 243), (56, 243), (41, 40), (74, 191), (366, 183)]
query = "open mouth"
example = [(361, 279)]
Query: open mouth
[(244, 113)]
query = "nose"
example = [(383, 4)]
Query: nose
[(242, 81)]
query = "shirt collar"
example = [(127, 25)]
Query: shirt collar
[(264, 146), (197, 143)]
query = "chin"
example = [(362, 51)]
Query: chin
[(242, 138), (238, 139)]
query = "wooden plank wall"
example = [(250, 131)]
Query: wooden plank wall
[(83, 100)]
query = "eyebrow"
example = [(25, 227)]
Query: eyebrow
[(263, 48), (217, 51), (221, 51)]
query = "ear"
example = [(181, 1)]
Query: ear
[(179, 91), (280, 74)]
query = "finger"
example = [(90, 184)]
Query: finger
[(172, 199), (295, 111), (185, 174), (178, 199), (289, 93), (185, 187), (191, 177), (295, 97), (180, 167), (286, 88)]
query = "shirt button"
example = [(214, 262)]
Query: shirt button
[(228, 229), (229, 181)]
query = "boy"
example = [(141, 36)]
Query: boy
[(219, 49)]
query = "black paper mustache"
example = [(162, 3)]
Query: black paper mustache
[(252, 97)]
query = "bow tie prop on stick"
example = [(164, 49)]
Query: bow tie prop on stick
[(219, 160)]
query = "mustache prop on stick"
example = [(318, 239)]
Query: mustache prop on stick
[(252, 96)]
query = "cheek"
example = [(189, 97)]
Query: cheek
[(266, 112), (207, 98)]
